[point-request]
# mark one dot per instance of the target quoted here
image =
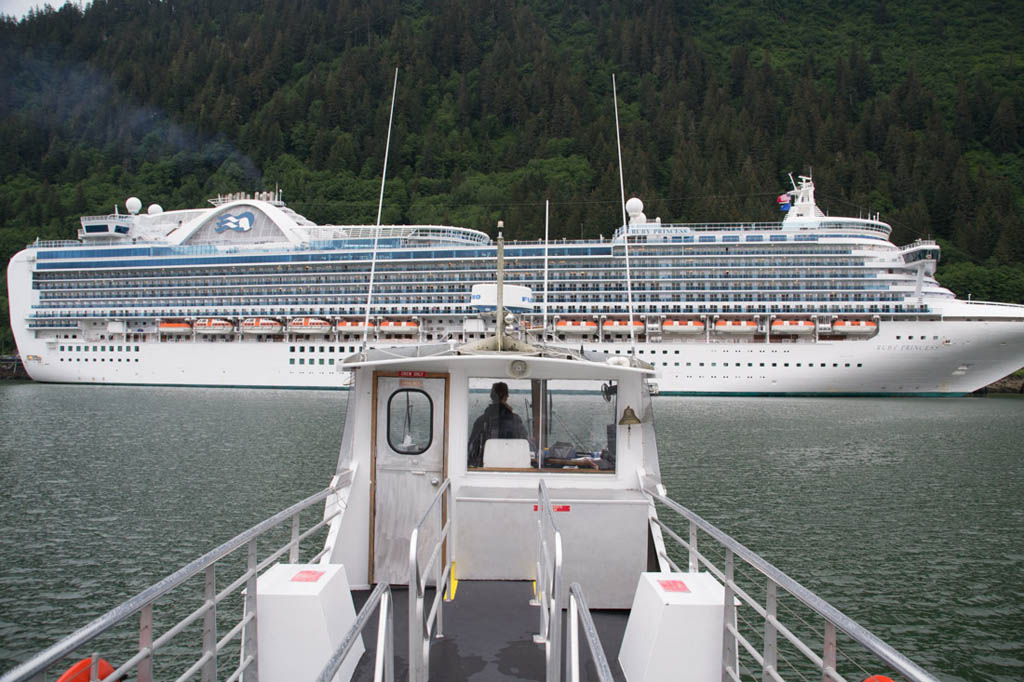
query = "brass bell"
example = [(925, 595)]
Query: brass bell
[(629, 417)]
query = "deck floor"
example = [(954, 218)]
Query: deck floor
[(488, 635)]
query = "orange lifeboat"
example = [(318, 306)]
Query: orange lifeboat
[(354, 326), (792, 327), (213, 325), (682, 327), (309, 325), (736, 327), (855, 327), (622, 327), (405, 327), (175, 327), (261, 325), (576, 327)]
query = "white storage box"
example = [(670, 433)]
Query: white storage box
[(303, 612), (674, 630)]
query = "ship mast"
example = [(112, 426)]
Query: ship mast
[(380, 208), (625, 224)]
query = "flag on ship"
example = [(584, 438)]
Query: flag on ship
[(783, 202)]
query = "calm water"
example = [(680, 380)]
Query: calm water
[(906, 514)]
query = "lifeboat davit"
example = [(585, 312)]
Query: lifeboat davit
[(855, 327), (261, 325), (175, 327), (576, 327), (792, 327), (682, 327), (213, 325), (622, 327), (354, 326), (407, 327), (309, 325), (736, 327)]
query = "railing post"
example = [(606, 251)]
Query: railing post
[(555, 629), (210, 626), (251, 634), (385, 640), (415, 611), (144, 673), (694, 561), (771, 633), (293, 550), (828, 659), (438, 567), (574, 640), (728, 618)]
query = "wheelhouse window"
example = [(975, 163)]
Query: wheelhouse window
[(410, 422), (533, 424)]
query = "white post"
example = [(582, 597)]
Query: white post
[(380, 208), (625, 223)]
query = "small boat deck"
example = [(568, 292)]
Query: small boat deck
[(488, 635)]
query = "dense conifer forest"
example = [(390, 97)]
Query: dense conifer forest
[(908, 109)]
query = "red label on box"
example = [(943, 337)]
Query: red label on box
[(673, 586), (557, 507), (307, 576)]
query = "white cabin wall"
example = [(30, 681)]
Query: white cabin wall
[(354, 524)]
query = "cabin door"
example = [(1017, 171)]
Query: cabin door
[(410, 415)]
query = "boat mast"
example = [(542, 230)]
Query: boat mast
[(625, 224), (380, 208), (544, 328), (499, 307)]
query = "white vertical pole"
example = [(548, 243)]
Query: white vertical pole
[(380, 208), (544, 329), (625, 223)]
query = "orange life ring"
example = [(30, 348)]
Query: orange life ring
[(79, 672)]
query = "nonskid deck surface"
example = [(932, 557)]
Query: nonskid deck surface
[(488, 635)]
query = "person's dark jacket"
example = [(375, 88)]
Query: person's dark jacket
[(497, 421)]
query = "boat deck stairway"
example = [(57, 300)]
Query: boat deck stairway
[(489, 635), (495, 629)]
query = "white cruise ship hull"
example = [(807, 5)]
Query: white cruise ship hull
[(814, 305), (940, 358)]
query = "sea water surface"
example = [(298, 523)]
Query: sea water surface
[(905, 513)]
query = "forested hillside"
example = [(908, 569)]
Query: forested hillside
[(908, 109)]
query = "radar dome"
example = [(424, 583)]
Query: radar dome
[(634, 206), (133, 205), (155, 209)]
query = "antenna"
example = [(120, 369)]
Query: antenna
[(499, 307), (625, 223), (544, 328), (387, 148), (380, 207)]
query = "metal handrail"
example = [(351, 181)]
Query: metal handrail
[(549, 584), (579, 612), (420, 623), (834, 619), (142, 603), (384, 663)]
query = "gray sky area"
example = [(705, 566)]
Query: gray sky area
[(19, 8)]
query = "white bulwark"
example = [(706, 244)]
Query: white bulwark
[(224, 296)]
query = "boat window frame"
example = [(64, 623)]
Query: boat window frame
[(404, 390)]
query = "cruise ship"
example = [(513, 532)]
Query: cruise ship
[(248, 293)]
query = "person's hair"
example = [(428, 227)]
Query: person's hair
[(499, 391)]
